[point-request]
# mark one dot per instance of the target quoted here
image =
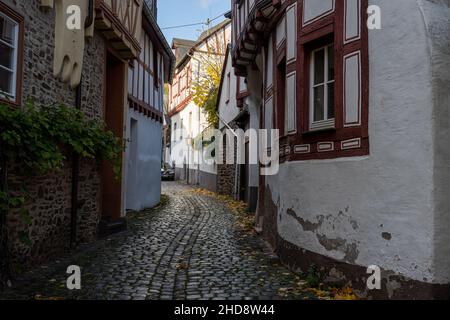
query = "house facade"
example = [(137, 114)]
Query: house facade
[(147, 76), (361, 114), (188, 120), (238, 180), (228, 110), (90, 69)]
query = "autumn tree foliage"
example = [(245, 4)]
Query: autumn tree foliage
[(205, 85)]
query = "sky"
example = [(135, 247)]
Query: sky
[(182, 12)]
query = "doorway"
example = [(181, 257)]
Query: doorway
[(112, 197), (132, 165), (244, 176)]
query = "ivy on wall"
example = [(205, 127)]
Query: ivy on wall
[(35, 139)]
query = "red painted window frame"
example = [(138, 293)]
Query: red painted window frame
[(307, 38)]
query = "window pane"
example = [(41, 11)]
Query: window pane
[(145, 86), (147, 52), (130, 80), (330, 63), (331, 100), (142, 55), (149, 88), (319, 103), (136, 79), (141, 83), (319, 61), (6, 56), (7, 31), (6, 80)]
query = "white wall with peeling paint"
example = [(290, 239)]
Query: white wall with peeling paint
[(392, 208)]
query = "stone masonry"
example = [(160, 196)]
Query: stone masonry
[(187, 248), (226, 173), (49, 197)]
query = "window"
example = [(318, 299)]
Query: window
[(9, 58), (322, 88), (136, 78), (147, 51), (190, 126), (181, 129), (155, 67), (175, 132), (281, 96), (130, 79), (228, 88)]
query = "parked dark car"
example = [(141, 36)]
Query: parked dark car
[(167, 173)]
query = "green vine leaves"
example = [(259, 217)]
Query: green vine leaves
[(36, 139)]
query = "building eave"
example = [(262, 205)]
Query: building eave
[(248, 43), (224, 69), (201, 40)]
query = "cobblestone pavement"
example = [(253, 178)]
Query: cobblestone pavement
[(186, 249)]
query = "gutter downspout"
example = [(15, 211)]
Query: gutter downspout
[(75, 157), (75, 182), (4, 256)]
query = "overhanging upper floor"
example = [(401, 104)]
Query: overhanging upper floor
[(251, 23)]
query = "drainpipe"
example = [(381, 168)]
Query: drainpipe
[(4, 256), (75, 182), (90, 18), (198, 153), (75, 157)]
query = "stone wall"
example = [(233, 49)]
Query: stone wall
[(225, 179), (226, 173), (49, 197)]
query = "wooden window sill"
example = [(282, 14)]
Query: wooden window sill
[(12, 103), (313, 132)]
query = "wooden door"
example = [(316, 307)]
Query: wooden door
[(114, 116)]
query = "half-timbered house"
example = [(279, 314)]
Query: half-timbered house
[(189, 120), (235, 179), (363, 116), (146, 78)]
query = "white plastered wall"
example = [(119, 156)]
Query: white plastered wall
[(143, 168), (380, 209)]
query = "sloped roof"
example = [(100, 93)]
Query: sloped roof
[(183, 46), (177, 42), (222, 77), (205, 34)]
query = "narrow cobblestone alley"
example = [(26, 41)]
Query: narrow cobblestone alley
[(186, 249)]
